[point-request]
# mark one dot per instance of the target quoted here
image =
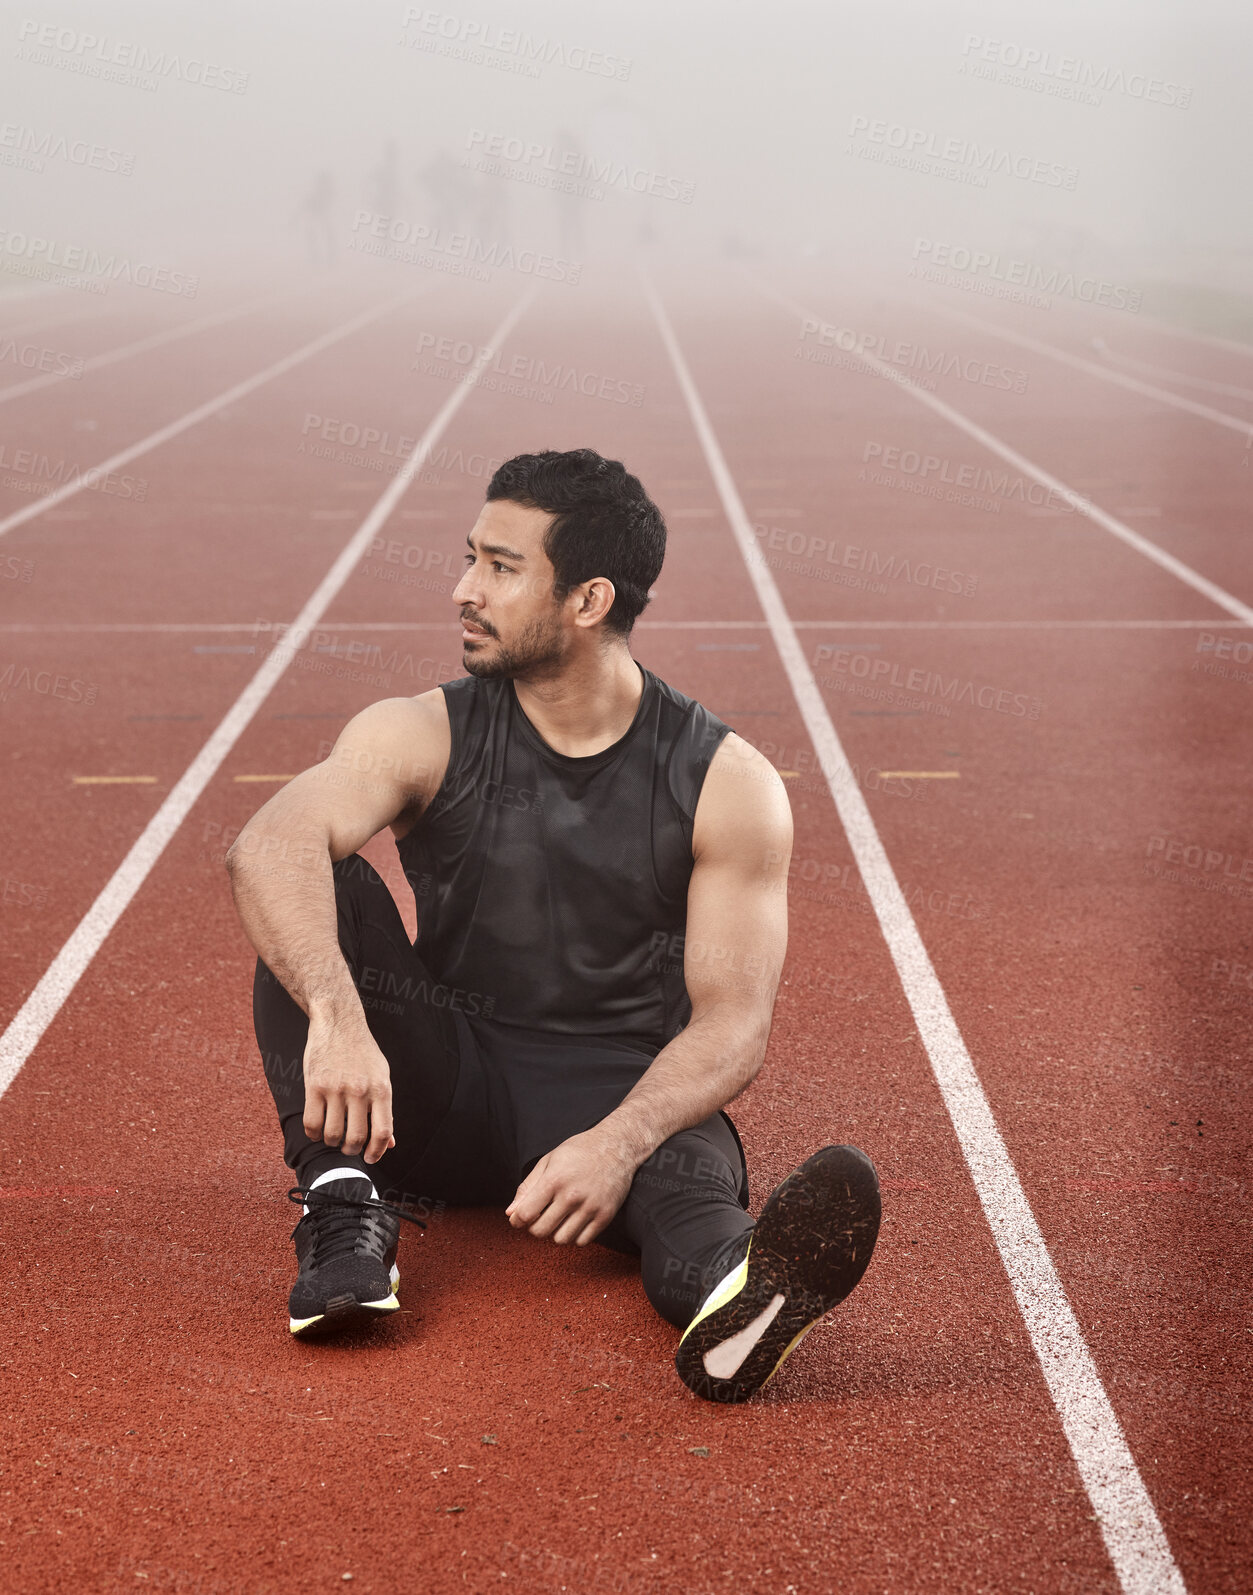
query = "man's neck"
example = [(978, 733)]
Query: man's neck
[(589, 706)]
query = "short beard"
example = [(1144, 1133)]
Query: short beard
[(537, 650)]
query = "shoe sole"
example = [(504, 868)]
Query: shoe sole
[(342, 1312), (810, 1247)]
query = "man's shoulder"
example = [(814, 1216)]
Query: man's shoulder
[(743, 801), (737, 759), (390, 715), (391, 725)]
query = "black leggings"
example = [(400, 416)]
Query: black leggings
[(457, 1137)]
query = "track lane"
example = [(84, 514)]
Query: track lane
[(1132, 1532)]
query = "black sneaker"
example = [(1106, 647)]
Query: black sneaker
[(810, 1247), (346, 1248)]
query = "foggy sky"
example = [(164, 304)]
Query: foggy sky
[(771, 129)]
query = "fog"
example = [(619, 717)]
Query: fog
[(212, 142)]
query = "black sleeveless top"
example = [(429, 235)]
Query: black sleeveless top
[(551, 890)]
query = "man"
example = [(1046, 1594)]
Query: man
[(600, 868)]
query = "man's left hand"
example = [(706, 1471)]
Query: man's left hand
[(574, 1190)]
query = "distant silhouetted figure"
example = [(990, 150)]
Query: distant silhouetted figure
[(383, 183), (570, 204), (314, 215), (450, 191), (491, 217)]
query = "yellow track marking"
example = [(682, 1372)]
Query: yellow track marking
[(265, 778), (115, 780), (920, 775)]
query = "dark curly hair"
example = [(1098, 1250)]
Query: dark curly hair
[(604, 524)]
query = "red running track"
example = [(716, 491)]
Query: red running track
[(520, 1425)]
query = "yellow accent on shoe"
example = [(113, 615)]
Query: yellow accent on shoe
[(721, 1294), (789, 1349), (388, 1304)]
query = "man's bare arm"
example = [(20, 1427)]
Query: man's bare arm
[(383, 770), (734, 949)]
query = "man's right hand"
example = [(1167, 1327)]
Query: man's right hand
[(348, 1090)]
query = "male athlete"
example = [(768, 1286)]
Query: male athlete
[(600, 868)]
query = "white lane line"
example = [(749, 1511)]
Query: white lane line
[(63, 974), (1133, 1535), (209, 407), (1228, 389), (1147, 389), (1028, 625), (192, 627), (1116, 528), (140, 346)]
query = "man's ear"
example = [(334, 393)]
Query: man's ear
[(595, 600)]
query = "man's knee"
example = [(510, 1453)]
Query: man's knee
[(363, 905), (690, 1167)]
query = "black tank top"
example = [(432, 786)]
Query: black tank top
[(551, 890)]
